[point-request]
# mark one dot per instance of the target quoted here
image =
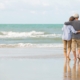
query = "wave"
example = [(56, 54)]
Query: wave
[(32, 34), (20, 45)]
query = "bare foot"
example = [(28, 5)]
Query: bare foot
[(78, 57), (68, 58)]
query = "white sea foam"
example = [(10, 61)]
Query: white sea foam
[(33, 34), (31, 45)]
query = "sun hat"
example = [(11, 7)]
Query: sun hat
[(76, 15)]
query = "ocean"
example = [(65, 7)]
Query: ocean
[(31, 35)]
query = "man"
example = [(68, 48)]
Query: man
[(75, 37)]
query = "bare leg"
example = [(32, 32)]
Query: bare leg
[(78, 54), (65, 48), (68, 56), (65, 55), (74, 48), (69, 49)]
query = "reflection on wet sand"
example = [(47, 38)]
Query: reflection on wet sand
[(78, 71), (74, 72), (71, 73), (67, 71)]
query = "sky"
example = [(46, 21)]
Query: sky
[(37, 11)]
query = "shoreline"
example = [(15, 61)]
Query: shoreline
[(32, 53)]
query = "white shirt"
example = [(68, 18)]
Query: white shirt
[(67, 32)]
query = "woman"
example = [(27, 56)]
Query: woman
[(67, 36)]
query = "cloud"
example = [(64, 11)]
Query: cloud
[(2, 6), (34, 2), (45, 4), (33, 12), (44, 12), (40, 7)]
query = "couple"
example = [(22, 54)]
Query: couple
[(71, 37)]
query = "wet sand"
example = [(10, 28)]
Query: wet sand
[(36, 64), (31, 53)]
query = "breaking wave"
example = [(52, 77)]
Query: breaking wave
[(30, 45), (31, 34)]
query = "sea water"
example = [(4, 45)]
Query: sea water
[(31, 35)]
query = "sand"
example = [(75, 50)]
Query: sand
[(36, 64)]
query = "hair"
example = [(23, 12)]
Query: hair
[(76, 17), (71, 18)]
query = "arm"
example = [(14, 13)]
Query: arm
[(73, 30), (78, 31), (68, 23)]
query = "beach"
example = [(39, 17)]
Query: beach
[(36, 64), (34, 52)]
